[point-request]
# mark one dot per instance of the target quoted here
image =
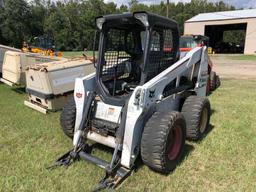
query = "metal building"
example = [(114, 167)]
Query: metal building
[(214, 24)]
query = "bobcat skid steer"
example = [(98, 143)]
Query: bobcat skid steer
[(142, 100)]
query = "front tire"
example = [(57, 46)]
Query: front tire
[(163, 141), (68, 118), (196, 111)]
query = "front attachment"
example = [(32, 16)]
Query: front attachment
[(68, 158), (115, 173), (112, 180)]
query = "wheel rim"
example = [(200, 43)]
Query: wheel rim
[(175, 138), (203, 120)]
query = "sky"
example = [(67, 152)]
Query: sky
[(236, 3)]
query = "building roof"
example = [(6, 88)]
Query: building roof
[(224, 15)]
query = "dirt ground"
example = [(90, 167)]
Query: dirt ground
[(226, 67)]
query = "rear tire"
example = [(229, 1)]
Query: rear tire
[(163, 141), (68, 118), (212, 81), (217, 81), (196, 111), (208, 87)]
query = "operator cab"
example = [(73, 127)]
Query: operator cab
[(43, 42), (134, 48)]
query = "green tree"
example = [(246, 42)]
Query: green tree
[(123, 8), (56, 25), (133, 2), (37, 18), (15, 25), (2, 40), (71, 22)]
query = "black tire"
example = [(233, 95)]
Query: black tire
[(208, 90), (212, 81), (68, 118), (163, 141), (197, 112), (217, 81)]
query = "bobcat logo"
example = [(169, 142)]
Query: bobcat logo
[(152, 93), (79, 95)]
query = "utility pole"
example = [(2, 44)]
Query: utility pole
[(167, 9)]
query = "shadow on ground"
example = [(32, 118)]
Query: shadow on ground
[(213, 111), (188, 149), (19, 90), (207, 132), (186, 152)]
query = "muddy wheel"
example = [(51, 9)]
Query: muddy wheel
[(163, 141), (196, 111)]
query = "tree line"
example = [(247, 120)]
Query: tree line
[(71, 22)]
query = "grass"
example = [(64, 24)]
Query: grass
[(70, 54), (225, 160), (244, 57)]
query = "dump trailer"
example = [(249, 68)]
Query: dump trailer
[(3, 49), (15, 64), (143, 101), (49, 85)]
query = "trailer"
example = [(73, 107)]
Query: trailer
[(15, 64), (3, 49), (50, 85)]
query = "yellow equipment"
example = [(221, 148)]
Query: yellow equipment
[(42, 45)]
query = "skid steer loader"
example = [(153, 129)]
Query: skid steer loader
[(142, 100)]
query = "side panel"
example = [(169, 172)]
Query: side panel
[(203, 76), (11, 67), (3, 49), (132, 129), (35, 80), (82, 87), (62, 80), (170, 103)]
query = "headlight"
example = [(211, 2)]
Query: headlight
[(143, 17), (99, 22)]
